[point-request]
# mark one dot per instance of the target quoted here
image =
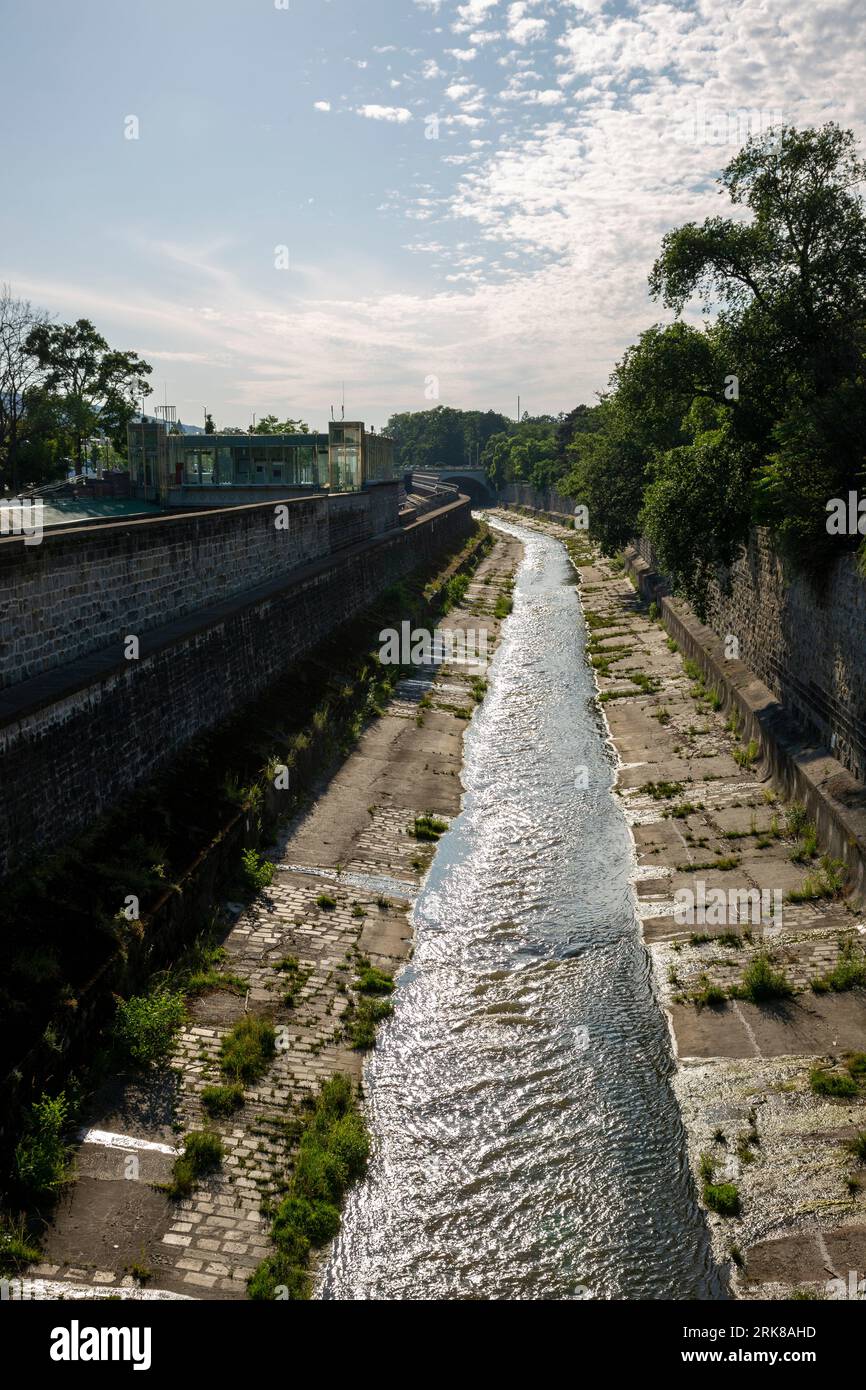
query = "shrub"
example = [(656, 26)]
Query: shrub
[(762, 982), (246, 1052), (364, 1020), (503, 606), (708, 995), (326, 902), (146, 1024), (849, 972), (332, 1153), (222, 1100), (257, 873), (428, 827), (277, 1276), (722, 1197), (42, 1155), (16, 1248), (373, 981), (202, 1154), (831, 1083)]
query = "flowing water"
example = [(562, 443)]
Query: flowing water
[(527, 1144)]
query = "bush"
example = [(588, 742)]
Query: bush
[(722, 1197), (146, 1024), (831, 1083), (428, 827), (762, 982), (42, 1155), (222, 1100), (332, 1153), (277, 1275), (246, 1052), (849, 972), (363, 1021), (16, 1249), (257, 873), (202, 1154), (373, 981)]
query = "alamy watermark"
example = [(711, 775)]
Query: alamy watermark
[(428, 647), (719, 907), (23, 518)]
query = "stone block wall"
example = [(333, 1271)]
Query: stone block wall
[(88, 739), (807, 645), (84, 588)]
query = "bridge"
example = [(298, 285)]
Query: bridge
[(474, 482)]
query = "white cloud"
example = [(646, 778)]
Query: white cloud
[(322, 105), (385, 113)]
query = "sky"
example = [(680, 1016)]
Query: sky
[(433, 202)]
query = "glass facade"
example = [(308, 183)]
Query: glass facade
[(342, 460), (245, 460)]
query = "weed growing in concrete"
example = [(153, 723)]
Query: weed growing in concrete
[(42, 1154), (246, 1052), (428, 827), (722, 1198), (831, 1083), (219, 1101), (202, 1154), (332, 1154), (762, 982), (146, 1024), (849, 972)]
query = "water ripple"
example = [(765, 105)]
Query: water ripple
[(527, 1142)]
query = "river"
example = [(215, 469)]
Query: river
[(527, 1143)]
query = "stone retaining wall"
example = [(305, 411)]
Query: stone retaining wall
[(74, 741)]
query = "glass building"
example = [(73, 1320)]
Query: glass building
[(177, 468)]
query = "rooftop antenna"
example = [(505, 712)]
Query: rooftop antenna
[(332, 412), (343, 416)]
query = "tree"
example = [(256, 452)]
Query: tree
[(272, 424), (209, 426), (790, 288), (19, 373), (100, 386)]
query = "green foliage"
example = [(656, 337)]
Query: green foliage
[(219, 1101), (428, 827), (258, 873), (332, 1154), (145, 1025), (758, 417), (722, 1198), (363, 1020), (374, 981), (42, 1155), (17, 1249), (202, 1154), (763, 982), (849, 972), (831, 1083), (246, 1052)]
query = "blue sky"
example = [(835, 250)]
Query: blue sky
[(508, 254)]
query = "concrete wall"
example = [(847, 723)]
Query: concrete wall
[(74, 741), (807, 646), (84, 588), (539, 499)]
